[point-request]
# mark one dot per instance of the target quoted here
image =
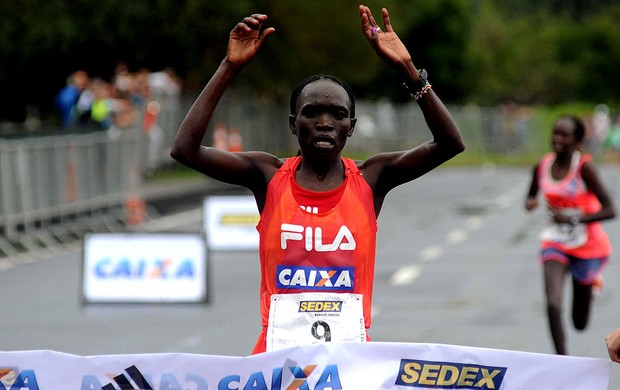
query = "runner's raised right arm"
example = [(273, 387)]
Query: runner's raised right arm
[(246, 169)]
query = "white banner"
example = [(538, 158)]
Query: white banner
[(230, 222), (144, 267), (355, 366)]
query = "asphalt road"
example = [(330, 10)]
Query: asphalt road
[(456, 264)]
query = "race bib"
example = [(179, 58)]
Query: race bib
[(571, 236), (308, 318), (568, 235)]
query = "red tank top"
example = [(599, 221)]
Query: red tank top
[(571, 192), (314, 248)]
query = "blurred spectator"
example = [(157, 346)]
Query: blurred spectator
[(235, 140), (84, 104), (68, 96), (103, 104), (110, 110), (515, 126), (613, 138), (124, 113), (140, 90), (164, 93), (220, 137), (155, 133), (600, 123), (164, 85), (127, 100), (122, 80)]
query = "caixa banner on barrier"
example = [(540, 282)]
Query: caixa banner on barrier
[(144, 267), (329, 366)]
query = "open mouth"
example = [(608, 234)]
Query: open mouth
[(323, 143)]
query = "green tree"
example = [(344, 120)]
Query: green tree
[(481, 51), (539, 57)]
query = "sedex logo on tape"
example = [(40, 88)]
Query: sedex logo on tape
[(448, 375)]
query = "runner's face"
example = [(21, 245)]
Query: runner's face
[(323, 121), (563, 137)]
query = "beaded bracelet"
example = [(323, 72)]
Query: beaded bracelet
[(422, 84), (418, 95)]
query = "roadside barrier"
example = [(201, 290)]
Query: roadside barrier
[(60, 180), (58, 185)]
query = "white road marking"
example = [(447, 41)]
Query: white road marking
[(456, 236), (473, 223), (405, 275), (408, 274), (430, 253), (504, 201)]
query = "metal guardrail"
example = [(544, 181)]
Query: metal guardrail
[(52, 178), (62, 183), (52, 182)]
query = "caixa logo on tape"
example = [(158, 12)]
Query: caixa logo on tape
[(447, 375), (13, 379), (133, 379)]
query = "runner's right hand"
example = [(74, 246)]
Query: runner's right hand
[(246, 38)]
